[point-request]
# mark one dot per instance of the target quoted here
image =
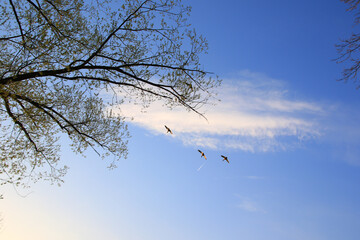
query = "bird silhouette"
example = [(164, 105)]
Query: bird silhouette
[(168, 129), (225, 158), (202, 154)]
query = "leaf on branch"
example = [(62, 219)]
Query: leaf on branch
[(60, 60)]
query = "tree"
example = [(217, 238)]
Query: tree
[(349, 49), (61, 59)]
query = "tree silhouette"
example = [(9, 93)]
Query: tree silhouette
[(349, 49), (65, 63)]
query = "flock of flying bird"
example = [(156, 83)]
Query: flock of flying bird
[(202, 153)]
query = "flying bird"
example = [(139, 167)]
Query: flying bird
[(168, 129), (202, 154), (225, 158)]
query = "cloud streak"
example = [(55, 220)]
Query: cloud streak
[(254, 177), (248, 205), (255, 114)]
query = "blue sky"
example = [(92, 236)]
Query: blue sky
[(289, 128)]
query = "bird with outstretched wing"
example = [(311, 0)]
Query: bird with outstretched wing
[(202, 154), (168, 129), (225, 158)]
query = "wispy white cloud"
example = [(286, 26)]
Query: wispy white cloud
[(248, 205), (256, 113), (254, 177)]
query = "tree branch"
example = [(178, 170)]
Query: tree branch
[(98, 50)]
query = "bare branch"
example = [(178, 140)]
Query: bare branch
[(18, 20), (98, 50)]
